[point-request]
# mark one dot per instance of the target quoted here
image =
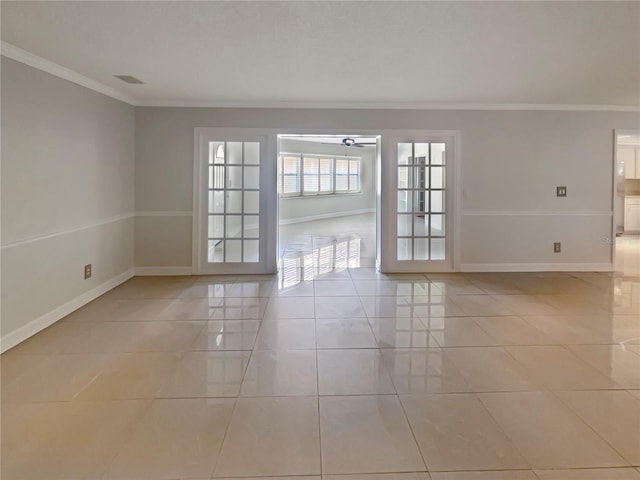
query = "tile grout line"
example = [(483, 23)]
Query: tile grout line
[(315, 324), (413, 434), (555, 395), (546, 390), (143, 414), (503, 347), (500, 427), (237, 397)]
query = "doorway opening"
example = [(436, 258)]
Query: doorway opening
[(626, 202), (327, 190)]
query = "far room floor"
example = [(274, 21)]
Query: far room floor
[(329, 243)]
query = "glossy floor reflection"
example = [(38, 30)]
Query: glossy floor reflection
[(628, 255), (311, 249), (347, 374)]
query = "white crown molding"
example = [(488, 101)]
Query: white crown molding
[(22, 56), (15, 53), (390, 106)]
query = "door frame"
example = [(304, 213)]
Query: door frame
[(384, 187), (389, 263), (341, 131), (266, 265), (616, 177)]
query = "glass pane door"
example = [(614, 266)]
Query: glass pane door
[(421, 207), (234, 204), (417, 200)]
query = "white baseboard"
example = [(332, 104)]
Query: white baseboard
[(163, 271), (310, 218), (536, 267), (21, 334)]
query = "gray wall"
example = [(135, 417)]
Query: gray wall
[(70, 157), (299, 207), (511, 163), (67, 192)]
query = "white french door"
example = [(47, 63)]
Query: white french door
[(418, 203), (235, 222), (234, 202)]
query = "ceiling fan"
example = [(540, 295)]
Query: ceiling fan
[(350, 142)]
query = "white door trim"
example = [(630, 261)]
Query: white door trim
[(615, 178), (349, 132), (268, 198), (388, 189), (271, 206), (386, 134)]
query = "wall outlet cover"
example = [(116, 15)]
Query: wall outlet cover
[(557, 247), (561, 191), (87, 271)]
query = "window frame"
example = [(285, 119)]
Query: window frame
[(282, 176), (319, 193)]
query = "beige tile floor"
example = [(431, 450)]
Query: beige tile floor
[(348, 375)]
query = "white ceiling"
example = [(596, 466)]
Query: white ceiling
[(349, 53)]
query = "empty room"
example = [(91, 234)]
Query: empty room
[(320, 240), (326, 205)]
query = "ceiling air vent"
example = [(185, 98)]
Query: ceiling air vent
[(129, 79)]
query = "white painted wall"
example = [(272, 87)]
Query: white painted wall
[(67, 196), (294, 208), (511, 163)]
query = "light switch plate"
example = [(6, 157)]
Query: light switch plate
[(561, 191)]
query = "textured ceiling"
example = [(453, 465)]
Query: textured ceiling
[(373, 52)]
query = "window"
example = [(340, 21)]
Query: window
[(290, 175), (307, 175), (347, 175), (234, 202), (421, 232)]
